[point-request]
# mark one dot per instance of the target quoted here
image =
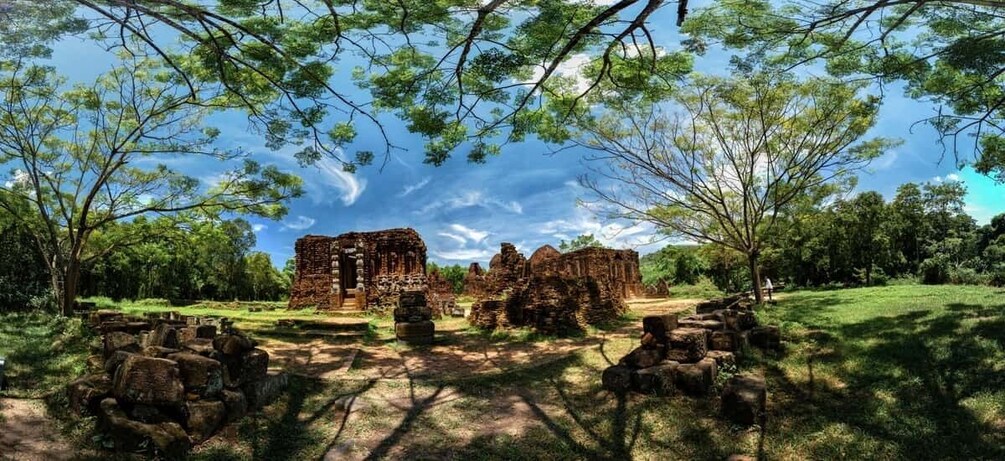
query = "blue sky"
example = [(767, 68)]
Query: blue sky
[(526, 195)]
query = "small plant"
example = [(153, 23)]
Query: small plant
[(725, 372)]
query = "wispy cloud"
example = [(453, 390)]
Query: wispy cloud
[(349, 186), (299, 223), (463, 254), (457, 238), (409, 188), (258, 227), (469, 233), (472, 199)]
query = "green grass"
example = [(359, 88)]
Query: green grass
[(898, 372), (43, 352)]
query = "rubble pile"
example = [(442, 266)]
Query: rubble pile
[(685, 355), (171, 381)]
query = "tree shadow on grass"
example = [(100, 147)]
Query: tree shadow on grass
[(902, 382)]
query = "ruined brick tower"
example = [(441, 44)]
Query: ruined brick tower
[(358, 270)]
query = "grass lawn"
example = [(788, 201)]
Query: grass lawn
[(900, 372)]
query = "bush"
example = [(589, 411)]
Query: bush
[(967, 276), (705, 288), (997, 277), (934, 271)]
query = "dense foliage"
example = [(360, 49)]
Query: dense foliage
[(922, 232), (194, 260)]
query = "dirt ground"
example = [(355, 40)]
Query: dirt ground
[(457, 353), (397, 389), (27, 434)]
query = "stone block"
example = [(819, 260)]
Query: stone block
[(643, 357), (199, 375), (725, 341), (415, 332), (203, 347), (743, 399), (159, 351), (248, 367), (86, 393), (659, 326), (617, 379), (767, 337), (264, 391), (703, 324), (236, 403), (196, 332), (112, 363), (736, 320), (203, 418), (687, 345), (163, 335), (722, 358), (120, 341), (148, 380), (129, 435), (233, 344), (696, 379), (658, 380)]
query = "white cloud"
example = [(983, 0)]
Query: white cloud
[(409, 188), (463, 255), (471, 199), (348, 184), (469, 233), (951, 177), (20, 179), (300, 223), (258, 227), (456, 238)]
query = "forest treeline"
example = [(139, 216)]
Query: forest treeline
[(924, 232), (198, 259)]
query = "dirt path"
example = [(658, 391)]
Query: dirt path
[(27, 434)]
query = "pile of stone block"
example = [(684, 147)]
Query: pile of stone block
[(172, 381), (685, 355), (413, 319)]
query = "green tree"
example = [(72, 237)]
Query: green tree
[(578, 243), (909, 227), (74, 156), (863, 223), (461, 73), (264, 280), (723, 167), (949, 53)]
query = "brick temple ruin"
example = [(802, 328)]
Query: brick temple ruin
[(554, 292), (358, 270)]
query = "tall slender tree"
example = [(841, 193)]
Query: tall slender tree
[(724, 165)]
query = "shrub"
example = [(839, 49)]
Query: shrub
[(935, 271), (967, 276)]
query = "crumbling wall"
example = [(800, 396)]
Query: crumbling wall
[(386, 263), (475, 283), (618, 269), (312, 283), (555, 293)]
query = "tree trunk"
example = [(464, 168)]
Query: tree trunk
[(71, 280), (755, 276)]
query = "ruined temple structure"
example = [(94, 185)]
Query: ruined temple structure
[(358, 270), (475, 281), (554, 292)]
